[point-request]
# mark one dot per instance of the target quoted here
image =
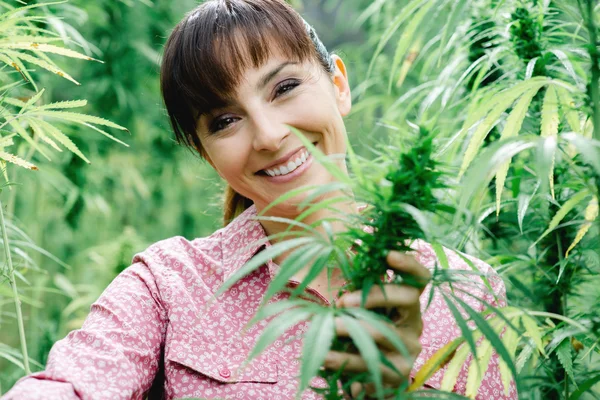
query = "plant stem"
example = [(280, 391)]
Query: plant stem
[(13, 284), (594, 89)]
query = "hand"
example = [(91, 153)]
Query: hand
[(403, 302)]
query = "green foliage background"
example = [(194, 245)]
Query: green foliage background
[(81, 224)]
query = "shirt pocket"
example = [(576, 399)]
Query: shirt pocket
[(221, 361)]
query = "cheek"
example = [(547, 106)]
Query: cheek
[(228, 157)]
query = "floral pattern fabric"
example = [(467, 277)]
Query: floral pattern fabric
[(158, 332)]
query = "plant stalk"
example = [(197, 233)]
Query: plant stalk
[(594, 89), (13, 284)]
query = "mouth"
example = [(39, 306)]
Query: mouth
[(289, 166)]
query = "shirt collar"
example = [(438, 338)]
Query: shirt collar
[(241, 240)]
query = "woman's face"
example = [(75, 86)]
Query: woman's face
[(249, 142)]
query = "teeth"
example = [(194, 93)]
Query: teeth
[(291, 166)]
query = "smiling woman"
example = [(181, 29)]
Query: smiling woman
[(240, 78)]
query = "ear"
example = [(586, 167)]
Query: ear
[(340, 81)]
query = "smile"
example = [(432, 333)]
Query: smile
[(288, 167)]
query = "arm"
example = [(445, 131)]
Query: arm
[(116, 353)]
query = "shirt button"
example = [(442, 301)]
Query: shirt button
[(224, 372)]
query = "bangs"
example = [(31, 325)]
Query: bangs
[(209, 51)]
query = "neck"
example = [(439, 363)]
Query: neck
[(334, 216)]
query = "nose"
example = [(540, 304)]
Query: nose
[(269, 132)]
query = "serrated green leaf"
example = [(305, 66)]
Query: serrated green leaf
[(524, 200), (489, 334), (299, 259), (46, 48), (563, 353), (550, 121), (533, 330), (511, 129), (23, 133), (478, 368), (562, 212), (20, 67), (34, 99), (11, 158), (590, 215), (58, 135), (315, 269), (38, 131), (378, 323), (63, 105), (497, 107), (407, 12), (440, 254), (316, 345), (260, 259), (467, 333), (406, 40), (568, 107), (433, 364), (584, 387), (276, 328), (78, 118), (368, 350), (40, 63), (454, 367), (510, 338)]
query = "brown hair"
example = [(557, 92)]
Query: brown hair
[(209, 50)]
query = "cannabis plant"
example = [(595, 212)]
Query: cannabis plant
[(32, 125)]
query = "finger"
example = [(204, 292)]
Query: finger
[(391, 296), (354, 363), (409, 336), (408, 264)]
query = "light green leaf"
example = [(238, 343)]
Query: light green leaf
[(58, 135), (34, 99), (435, 363), (497, 107), (46, 48), (590, 215), (454, 367), (11, 158), (568, 106), (511, 129), (584, 387), (63, 105), (440, 254), (562, 213), (524, 200), (550, 122), (406, 39), (533, 330), (79, 118), (316, 345), (510, 340), (489, 334), (478, 368), (42, 64), (407, 12)]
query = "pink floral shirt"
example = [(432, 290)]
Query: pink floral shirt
[(154, 332)]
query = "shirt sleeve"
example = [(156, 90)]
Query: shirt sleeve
[(115, 355)]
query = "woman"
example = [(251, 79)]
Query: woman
[(236, 74)]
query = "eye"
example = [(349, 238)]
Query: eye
[(220, 123), (286, 86)]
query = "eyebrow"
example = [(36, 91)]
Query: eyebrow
[(270, 75)]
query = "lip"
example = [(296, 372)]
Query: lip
[(283, 159), (292, 175)]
